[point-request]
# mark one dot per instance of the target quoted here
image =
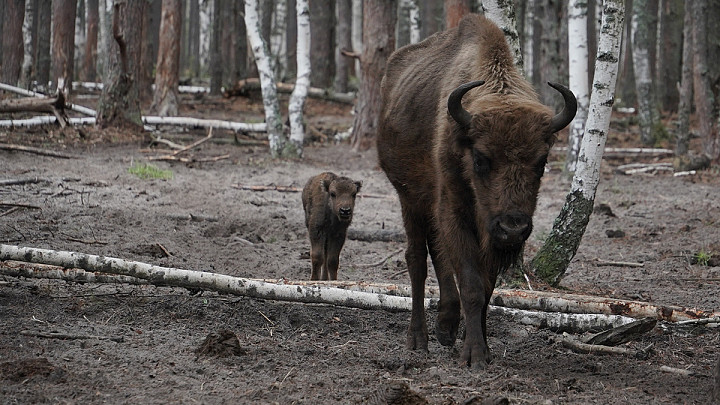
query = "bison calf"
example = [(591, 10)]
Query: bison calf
[(328, 201)]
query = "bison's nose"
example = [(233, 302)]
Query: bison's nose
[(345, 212), (512, 229)]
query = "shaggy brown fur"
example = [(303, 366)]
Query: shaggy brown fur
[(467, 186), (328, 201)]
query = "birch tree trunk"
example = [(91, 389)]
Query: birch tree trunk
[(578, 75), (705, 100), (302, 82), (682, 136), (29, 40), (206, 18), (167, 72), (648, 114), (278, 43), (553, 258), (279, 147), (529, 44), (502, 13), (357, 35)]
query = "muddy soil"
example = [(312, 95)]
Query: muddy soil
[(65, 342)]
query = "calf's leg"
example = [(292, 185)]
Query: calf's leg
[(317, 258), (332, 255)]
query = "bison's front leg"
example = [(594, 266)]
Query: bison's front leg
[(475, 291), (317, 257), (332, 255), (416, 258), (448, 318)]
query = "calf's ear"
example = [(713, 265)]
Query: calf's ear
[(358, 184)]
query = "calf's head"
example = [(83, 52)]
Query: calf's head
[(342, 191), (504, 146)]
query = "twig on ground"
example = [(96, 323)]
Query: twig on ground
[(31, 207), (580, 347), (381, 261), (681, 371), (37, 151), (600, 262), (59, 335), (19, 182), (87, 242)]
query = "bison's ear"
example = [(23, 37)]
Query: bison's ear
[(358, 184)]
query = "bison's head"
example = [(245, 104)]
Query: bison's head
[(504, 145), (342, 192)]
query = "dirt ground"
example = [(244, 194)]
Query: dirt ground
[(144, 341)]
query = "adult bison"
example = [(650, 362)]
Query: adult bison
[(467, 177)]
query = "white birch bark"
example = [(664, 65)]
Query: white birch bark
[(529, 35), (578, 76), (299, 94), (26, 73), (268, 86), (357, 23), (552, 260), (206, 18), (278, 43), (587, 174), (414, 22), (502, 13)]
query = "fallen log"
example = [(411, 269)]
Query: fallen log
[(44, 120), (52, 105), (27, 93), (381, 235), (243, 87), (622, 334), (204, 123), (586, 348)]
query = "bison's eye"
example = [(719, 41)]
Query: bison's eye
[(481, 163), (540, 166), (332, 194)]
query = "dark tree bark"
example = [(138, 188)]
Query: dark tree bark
[(42, 61), (291, 40), (119, 104), (148, 51), (455, 10), (431, 17), (682, 137), (343, 41), (625, 92), (267, 7), (216, 62), (240, 46), (705, 100), (669, 54), (322, 48), (378, 43), (194, 32), (167, 75), (63, 42), (12, 41), (88, 72), (553, 55)]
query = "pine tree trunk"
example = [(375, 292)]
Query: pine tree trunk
[(553, 258), (12, 41), (357, 35), (299, 94), (529, 45), (343, 40), (378, 43), (549, 58), (455, 10), (291, 40), (578, 75), (322, 49), (29, 41), (119, 105), (63, 46), (682, 137), (279, 146), (431, 12), (215, 60), (241, 46), (42, 61), (648, 114), (167, 74), (705, 101), (502, 13), (89, 63)]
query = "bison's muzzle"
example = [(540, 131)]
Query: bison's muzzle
[(509, 231)]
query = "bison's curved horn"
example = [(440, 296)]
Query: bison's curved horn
[(565, 116), (455, 103)]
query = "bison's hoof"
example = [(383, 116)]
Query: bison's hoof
[(417, 340), (475, 357), (446, 332)]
